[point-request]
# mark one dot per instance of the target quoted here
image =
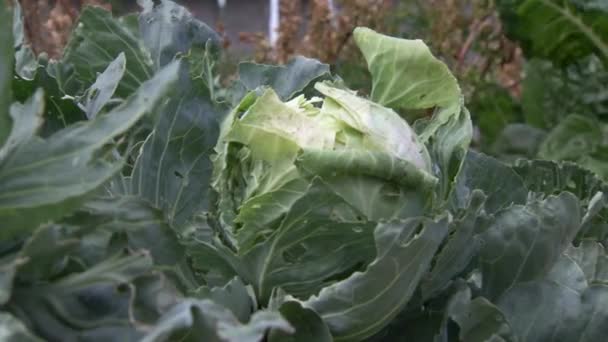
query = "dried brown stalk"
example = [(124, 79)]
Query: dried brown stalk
[(48, 23)]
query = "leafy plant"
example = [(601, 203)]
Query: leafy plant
[(154, 204), (563, 100)]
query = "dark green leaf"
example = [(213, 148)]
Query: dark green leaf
[(174, 169), (479, 319), (361, 305), (98, 95), (71, 161), (580, 139), (95, 42), (168, 29), (287, 80), (12, 330), (6, 69), (560, 30), (524, 242), (502, 186), (233, 296), (205, 320), (307, 324)]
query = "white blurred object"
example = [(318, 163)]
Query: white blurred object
[(332, 11), (273, 22), (221, 3)]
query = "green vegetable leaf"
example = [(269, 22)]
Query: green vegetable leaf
[(307, 324), (30, 197), (88, 305), (524, 242), (478, 318), (13, 330), (559, 30), (205, 320), (173, 170), (540, 311), (168, 30), (287, 80), (234, 296), (98, 95), (95, 42), (405, 74), (6, 70), (362, 304), (592, 258), (580, 139), (502, 186), (319, 239)]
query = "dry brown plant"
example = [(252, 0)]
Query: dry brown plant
[(318, 32), (48, 23)]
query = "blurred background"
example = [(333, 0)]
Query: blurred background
[(533, 71)]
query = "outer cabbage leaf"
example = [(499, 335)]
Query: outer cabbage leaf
[(173, 169), (100, 92), (6, 70), (479, 319), (362, 304), (580, 139), (307, 324), (592, 258), (13, 330), (95, 42), (168, 30), (70, 162), (406, 76), (320, 238), (205, 320), (502, 186), (368, 126), (524, 242), (287, 80)]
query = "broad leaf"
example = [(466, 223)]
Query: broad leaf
[(71, 162), (6, 69), (460, 248), (205, 320), (13, 330), (559, 30), (96, 41), (549, 310), (307, 324), (550, 93), (98, 95), (168, 30), (405, 74), (524, 242), (592, 258), (362, 304), (173, 170), (580, 139), (319, 239), (88, 305), (478, 318), (287, 80), (233, 296), (502, 186)]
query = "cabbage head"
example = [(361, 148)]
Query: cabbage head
[(323, 196)]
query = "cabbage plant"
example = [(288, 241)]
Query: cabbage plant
[(142, 200)]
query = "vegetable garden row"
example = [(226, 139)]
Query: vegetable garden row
[(142, 199)]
